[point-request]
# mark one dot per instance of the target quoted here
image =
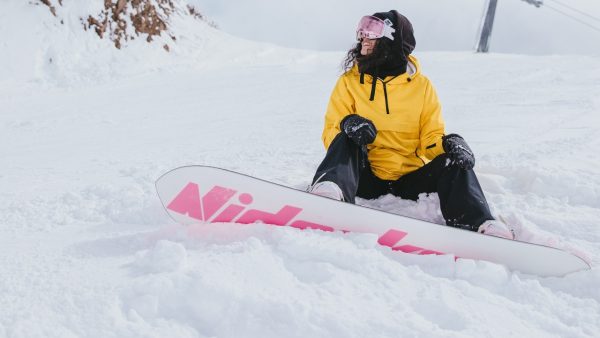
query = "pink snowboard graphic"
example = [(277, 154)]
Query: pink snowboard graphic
[(199, 194)]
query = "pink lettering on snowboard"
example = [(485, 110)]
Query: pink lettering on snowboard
[(187, 202), (308, 225), (280, 218), (190, 203), (392, 237)]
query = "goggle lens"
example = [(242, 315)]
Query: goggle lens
[(372, 27)]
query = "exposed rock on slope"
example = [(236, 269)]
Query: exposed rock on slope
[(125, 20)]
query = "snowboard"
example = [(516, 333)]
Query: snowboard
[(203, 194)]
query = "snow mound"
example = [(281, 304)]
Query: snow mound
[(67, 42), (309, 283), (77, 45)]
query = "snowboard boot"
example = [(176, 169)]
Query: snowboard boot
[(496, 228), (327, 189)]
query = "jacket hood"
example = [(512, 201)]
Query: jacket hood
[(404, 36)]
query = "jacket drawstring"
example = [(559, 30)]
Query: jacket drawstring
[(373, 85), (387, 107)]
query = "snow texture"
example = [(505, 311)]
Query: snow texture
[(87, 251)]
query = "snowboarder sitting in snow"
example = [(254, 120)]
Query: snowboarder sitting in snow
[(384, 132)]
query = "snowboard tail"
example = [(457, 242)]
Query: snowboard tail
[(201, 194)]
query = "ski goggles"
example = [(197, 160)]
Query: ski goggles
[(372, 27)]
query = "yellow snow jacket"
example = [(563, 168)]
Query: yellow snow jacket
[(406, 112)]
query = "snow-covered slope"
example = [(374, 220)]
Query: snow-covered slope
[(60, 50), (86, 249)]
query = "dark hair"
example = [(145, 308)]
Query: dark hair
[(351, 56), (381, 55)]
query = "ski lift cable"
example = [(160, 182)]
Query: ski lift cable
[(576, 10), (573, 18)]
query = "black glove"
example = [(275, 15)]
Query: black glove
[(359, 129), (458, 151)]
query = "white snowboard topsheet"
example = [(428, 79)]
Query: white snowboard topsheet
[(200, 194)]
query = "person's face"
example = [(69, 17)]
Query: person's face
[(367, 46)]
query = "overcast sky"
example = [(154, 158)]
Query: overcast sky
[(439, 24)]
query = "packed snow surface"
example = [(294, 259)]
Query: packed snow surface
[(86, 249)]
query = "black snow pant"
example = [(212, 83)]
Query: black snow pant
[(462, 202)]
